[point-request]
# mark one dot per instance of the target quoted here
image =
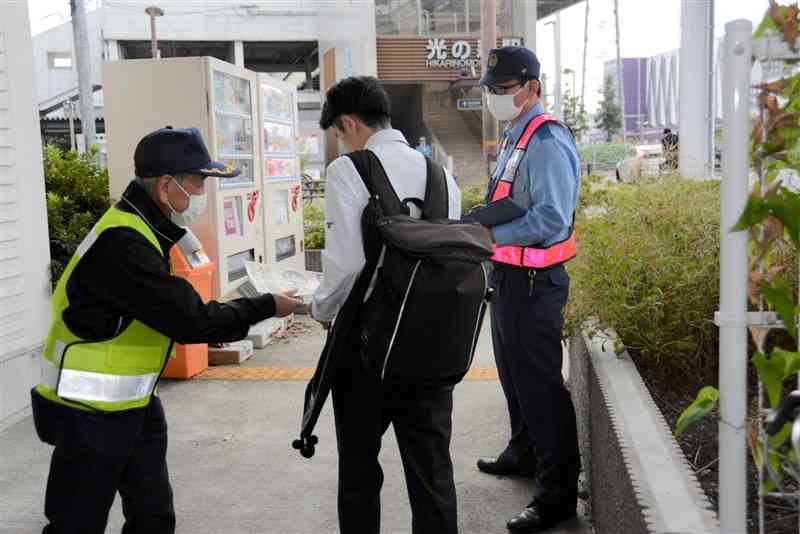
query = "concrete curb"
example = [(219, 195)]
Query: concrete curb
[(638, 477)]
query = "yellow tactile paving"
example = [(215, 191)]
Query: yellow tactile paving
[(478, 372)]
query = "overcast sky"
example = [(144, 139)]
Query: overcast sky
[(647, 27)]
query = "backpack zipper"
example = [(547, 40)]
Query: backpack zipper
[(399, 318)]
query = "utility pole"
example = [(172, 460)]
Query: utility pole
[(154, 11), (80, 34), (557, 111), (585, 48), (488, 41), (620, 77)]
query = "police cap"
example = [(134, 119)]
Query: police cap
[(509, 63)]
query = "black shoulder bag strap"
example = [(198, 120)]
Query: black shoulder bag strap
[(376, 181)]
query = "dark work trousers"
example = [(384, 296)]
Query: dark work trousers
[(526, 332), (103, 453), (421, 416)]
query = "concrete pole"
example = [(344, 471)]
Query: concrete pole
[(466, 17), (419, 17), (154, 11), (710, 64), (80, 33), (488, 41), (732, 320), (524, 19), (557, 111), (585, 48), (620, 76), (693, 97)]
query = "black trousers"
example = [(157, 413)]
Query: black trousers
[(98, 454), (421, 416), (526, 333)]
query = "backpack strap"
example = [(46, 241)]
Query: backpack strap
[(376, 181), (436, 198)]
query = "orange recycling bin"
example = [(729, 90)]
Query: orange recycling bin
[(190, 359)]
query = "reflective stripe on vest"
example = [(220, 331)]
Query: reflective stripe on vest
[(522, 256), (89, 386), (115, 374)]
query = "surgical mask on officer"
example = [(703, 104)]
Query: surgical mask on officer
[(503, 107), (197, 205)]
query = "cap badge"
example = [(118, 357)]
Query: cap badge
[(493, 60)]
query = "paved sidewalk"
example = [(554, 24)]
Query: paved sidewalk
[(233, 470)]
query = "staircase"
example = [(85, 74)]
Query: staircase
[(459, 133)]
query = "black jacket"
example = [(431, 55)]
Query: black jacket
[(122, 278)]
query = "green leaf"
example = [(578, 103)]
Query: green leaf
[(780, 298), (755, 211), (766, 24), (773, 371), (770, 371), (705, 402)]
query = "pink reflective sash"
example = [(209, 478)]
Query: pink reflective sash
[(530, 257)]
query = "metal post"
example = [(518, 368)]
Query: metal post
[(620, 77), (557, 46), (419, 17), (466, 16), (733, 280), (488, 41), (154, 11), (83, 63), (585, 48)]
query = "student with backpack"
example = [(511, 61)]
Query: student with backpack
[(405, 286)]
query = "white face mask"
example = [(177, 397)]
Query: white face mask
[(503, 107), (197, 205)]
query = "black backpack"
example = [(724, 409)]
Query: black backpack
[(421, 319)]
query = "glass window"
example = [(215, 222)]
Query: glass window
[(59, 60), (285, 248)]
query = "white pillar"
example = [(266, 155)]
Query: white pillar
[(112, 50), (238, 53), (525, 16), (694, 92), (733, 279)]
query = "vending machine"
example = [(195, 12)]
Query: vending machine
[(283, 197), (223, 102)]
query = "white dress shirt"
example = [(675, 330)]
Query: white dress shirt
[(345, 199)]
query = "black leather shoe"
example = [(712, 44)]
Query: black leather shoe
[(501, 466), (537, 518)]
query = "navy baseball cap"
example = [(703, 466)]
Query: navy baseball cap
[(509, 63), (175, 151)]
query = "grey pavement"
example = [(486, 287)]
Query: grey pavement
[(233, 470)]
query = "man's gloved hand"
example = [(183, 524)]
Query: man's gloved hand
[(285, 303)]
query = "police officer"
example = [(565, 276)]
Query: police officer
[(117, 311), (537, 172)]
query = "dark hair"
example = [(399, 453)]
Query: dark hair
[(360, 96), (667, 130)]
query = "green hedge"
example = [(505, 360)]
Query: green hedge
[(648, 266), (77, 196)]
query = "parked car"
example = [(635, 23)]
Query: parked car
[(643, 161)]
